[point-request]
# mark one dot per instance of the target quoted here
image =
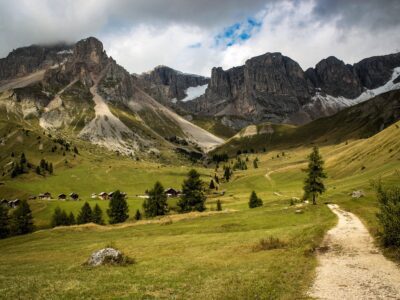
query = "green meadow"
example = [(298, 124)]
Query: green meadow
[(214, 255)]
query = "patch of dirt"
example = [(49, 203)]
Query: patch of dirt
[(351, 266)]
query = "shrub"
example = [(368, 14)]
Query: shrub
[(389, 214), (269, 243)]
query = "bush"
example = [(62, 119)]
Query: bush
[(389, 214), (118, 208), (138, 215), (254, 200), (269, 243)]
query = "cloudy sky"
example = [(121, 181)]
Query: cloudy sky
[(195, 35)]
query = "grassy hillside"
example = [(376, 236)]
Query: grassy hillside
[(203, 254), (360, 121)]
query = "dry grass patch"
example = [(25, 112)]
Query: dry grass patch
[(269, 243)]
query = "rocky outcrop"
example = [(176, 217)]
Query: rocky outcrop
[(376, 71), (164, 83), (273, 87), (335, 78), (23, 61)]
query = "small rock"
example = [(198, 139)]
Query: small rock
[(357, 194), (298, 211)]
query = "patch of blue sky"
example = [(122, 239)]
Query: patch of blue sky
[(237, 33)]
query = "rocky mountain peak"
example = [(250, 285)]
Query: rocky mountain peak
[(89, 50)]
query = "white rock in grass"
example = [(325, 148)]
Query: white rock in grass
[(105, 256)]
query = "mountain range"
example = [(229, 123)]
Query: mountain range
[(79, 90)]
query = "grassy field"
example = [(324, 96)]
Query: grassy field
[(202, 256)]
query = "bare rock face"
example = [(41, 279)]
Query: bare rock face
[(335, 78), (273, 87), (164, 83), (376, 71), (105, 256), (23, 61)]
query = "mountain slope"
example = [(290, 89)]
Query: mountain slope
[(357, 122), (75, 89)]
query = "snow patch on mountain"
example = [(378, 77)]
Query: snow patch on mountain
[(194, 92), (341, 102)]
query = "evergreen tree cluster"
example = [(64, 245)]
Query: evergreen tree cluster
[(88, 215), (21, 166), (254, 200), (217, 158), (240, 164), (20, 221), (43, 167), (61, 218), (227, 173)]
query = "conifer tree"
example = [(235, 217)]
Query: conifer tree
[(212, 185), (21, 219), (138, 215), (85, 215), (118, 208), (255, 163), (254, 200), (313, 184), (97, 215), (227, 173), (156, 204), (4, 222), (71, 219), (193, 197), (51, 168), (219, 205), (56, 218)]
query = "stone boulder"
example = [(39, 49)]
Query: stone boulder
[(357, 194), (108, 256)]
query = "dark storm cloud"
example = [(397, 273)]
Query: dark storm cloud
[(366, 14)]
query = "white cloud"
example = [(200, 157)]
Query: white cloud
[(141, 34)]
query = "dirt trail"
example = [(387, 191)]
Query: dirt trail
[(351, 267)]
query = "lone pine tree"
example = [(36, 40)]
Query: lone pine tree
[(193, 197), (118, 208), (313, 184), (156, 204)]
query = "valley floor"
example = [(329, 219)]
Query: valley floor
[(203, 256)]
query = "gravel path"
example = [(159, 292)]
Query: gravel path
[(351, 267)]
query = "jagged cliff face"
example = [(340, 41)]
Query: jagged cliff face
[(83, 91), (23, 61), (273, 87), (168, 86)]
